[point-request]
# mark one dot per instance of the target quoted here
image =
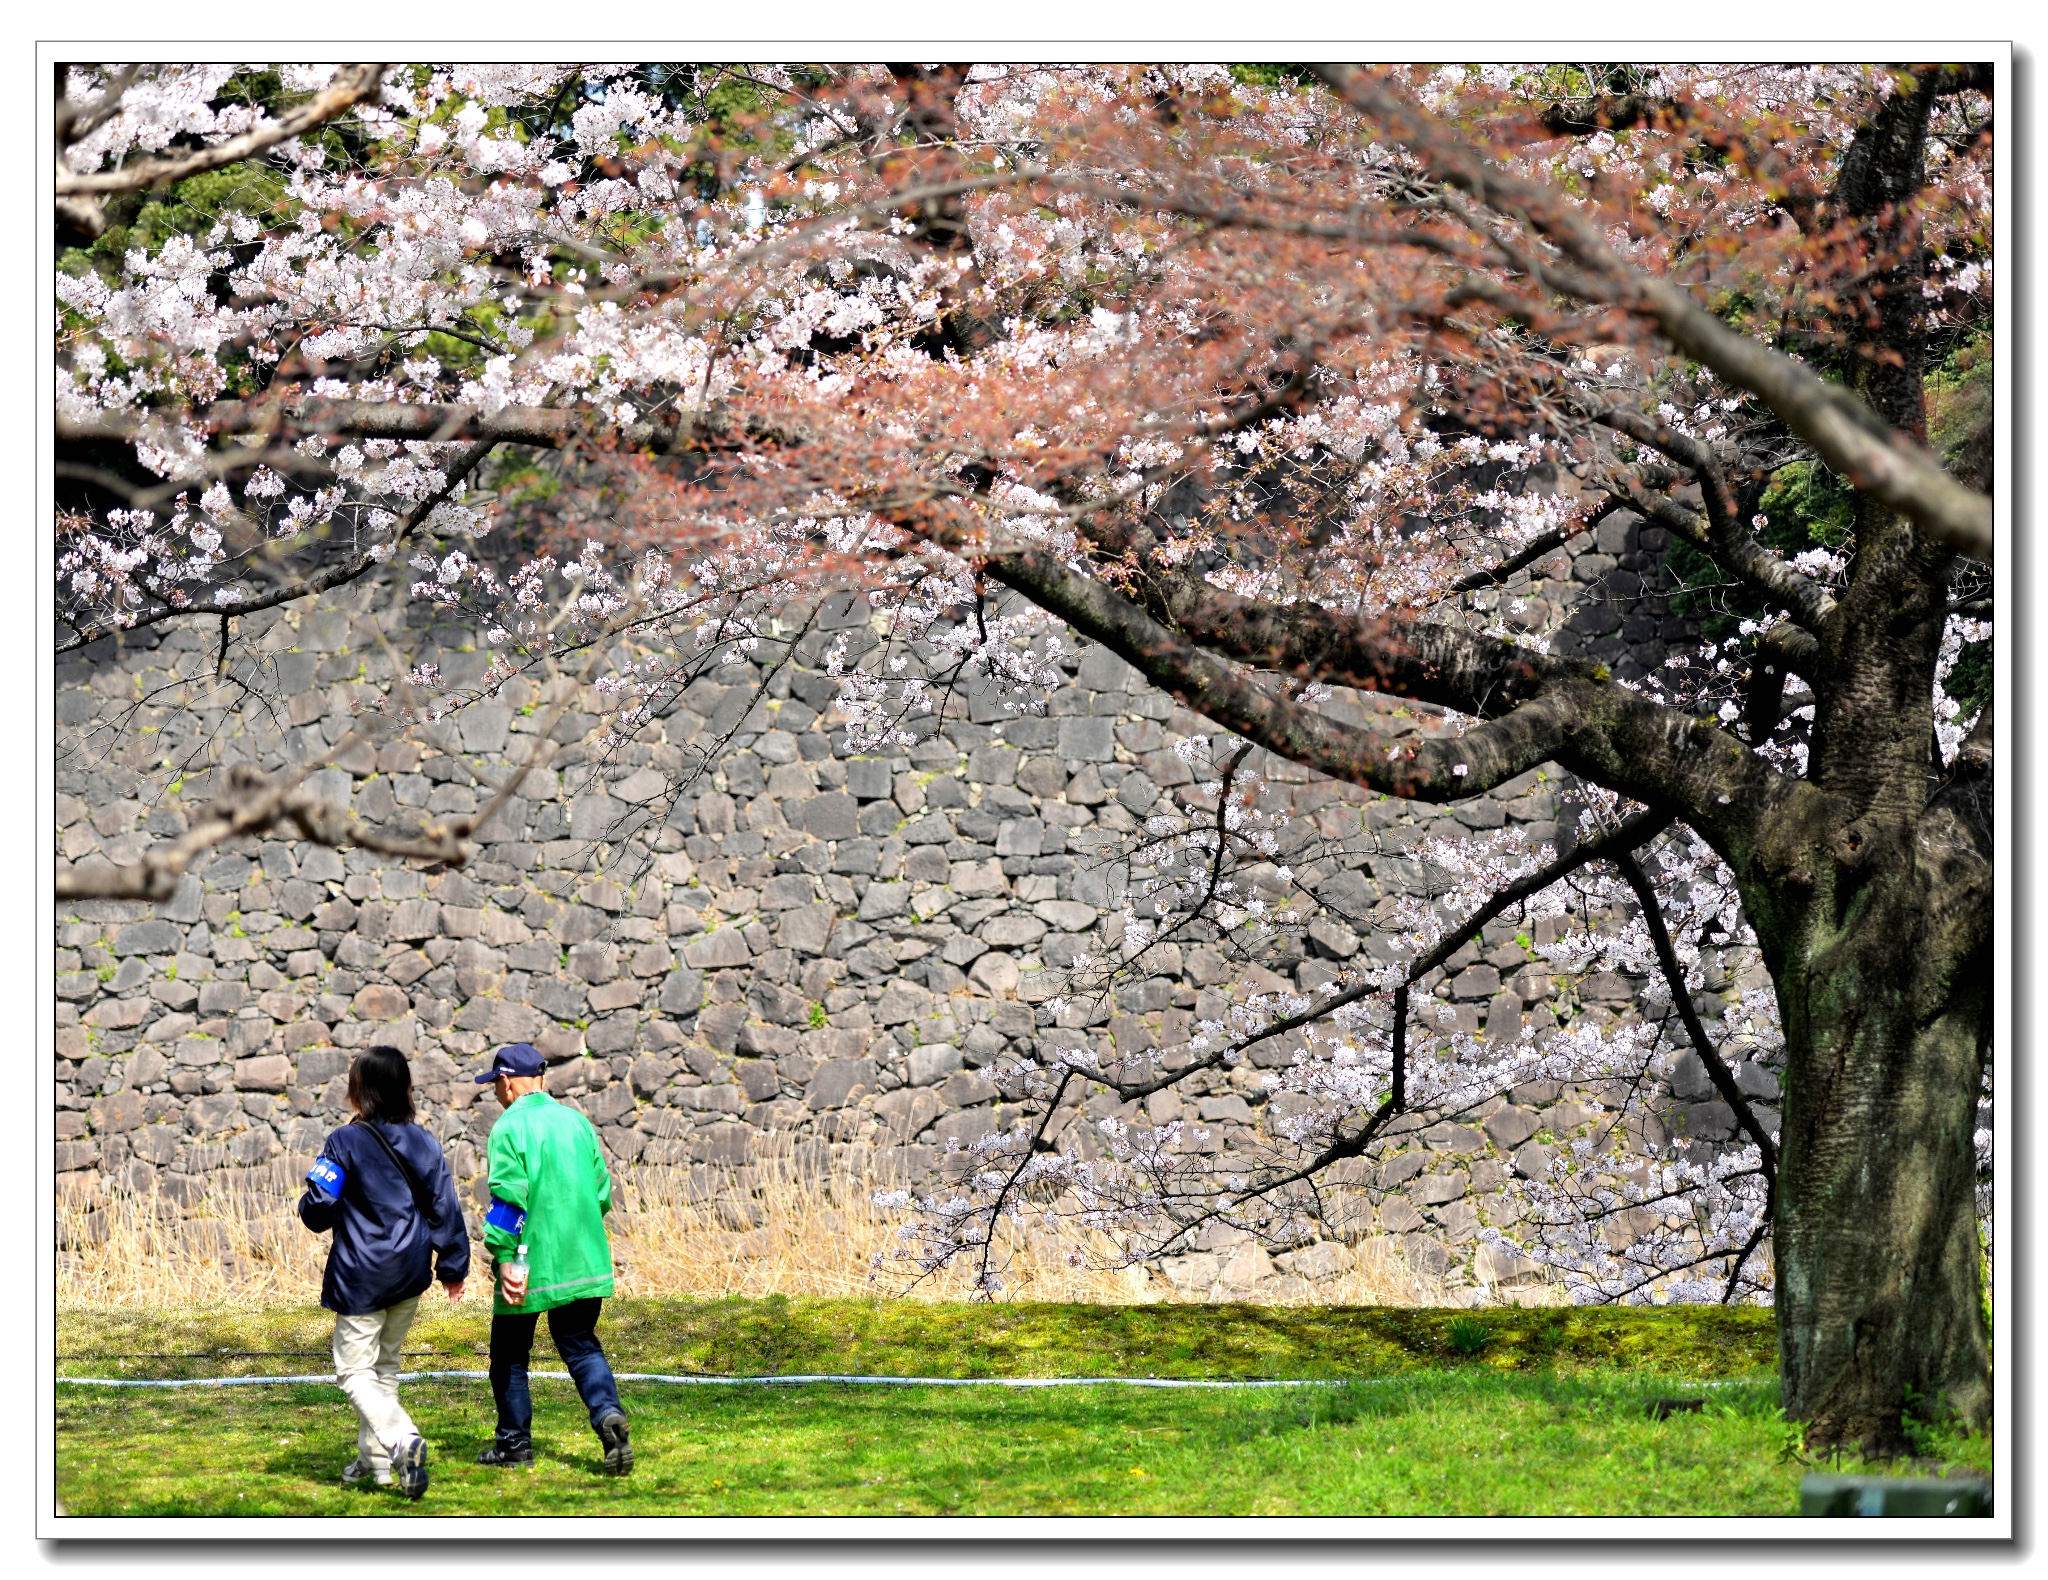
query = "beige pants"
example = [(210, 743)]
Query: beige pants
[(366, 1365)]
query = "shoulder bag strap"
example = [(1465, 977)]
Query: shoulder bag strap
[(419, 1194)]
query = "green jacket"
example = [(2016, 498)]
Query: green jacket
[(544, 1158)]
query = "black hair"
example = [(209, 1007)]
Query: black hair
[(380, 1083)]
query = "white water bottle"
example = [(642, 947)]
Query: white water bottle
[(515, 1278)]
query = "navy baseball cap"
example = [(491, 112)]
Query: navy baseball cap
[(517, 1058)]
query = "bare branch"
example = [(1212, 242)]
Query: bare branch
[(1529, 554), (1703, 1045)]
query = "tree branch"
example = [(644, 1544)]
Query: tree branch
[(324, 581), (1722, 536), (351, 85), (1530, 553), (1432, 770), (543, 427), (1876, 459), (1703, 1045)]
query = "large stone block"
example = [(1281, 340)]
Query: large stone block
[(557, 997), (1136, 793), (221, 998), (594, 817), (1318, 1262), (412, 919), (1087, 739), (1533, 1160), (996, 975), (574, 1075), (994, 765), (1504, 1017), (513, 1023), (616, 1033), (931, 1063), (718, 950), (1499, 1265), (652, 959), (967, 1088), (616, 995), (595, 961), (117, 1014), (908, 1110), (209, 1116), (1509, 1127), (123, 1111), (199, 1052), (379, 1001), (719, 1025), (724, 1099), (966, 1126), (145, 1067), (1433, 1190), (160, 1144), (977, 878), (903, 1001), (761, 1039), (869, 779), (484, 726), (726, 1145), (806, 929), (882, 901), (317, 1066), (840, 1082), (682, 993), (265, 1073), (831, 817), (153, 937), (1067, 915)]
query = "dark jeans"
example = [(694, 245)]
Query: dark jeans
[(574, 1329)]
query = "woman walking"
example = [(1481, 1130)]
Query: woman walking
[(381, 1184)]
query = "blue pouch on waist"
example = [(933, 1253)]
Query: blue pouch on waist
[(328, 1176), (503, 1215)]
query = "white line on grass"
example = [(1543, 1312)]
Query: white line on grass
[(808, 1377), (805, 1377)]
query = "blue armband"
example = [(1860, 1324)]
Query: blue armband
[(328, 1176), (503, 1215)]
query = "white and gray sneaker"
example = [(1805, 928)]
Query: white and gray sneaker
[(360, 1471), (409, 1460)]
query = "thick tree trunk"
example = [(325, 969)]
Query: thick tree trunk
[(1879, 1287)]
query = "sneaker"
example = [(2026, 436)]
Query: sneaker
[(618, 1447), (496, 1454), (409, 1461), (359, 1472)]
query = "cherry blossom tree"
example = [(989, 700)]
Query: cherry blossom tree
[(1265, 379)]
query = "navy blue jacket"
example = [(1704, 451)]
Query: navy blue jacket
[(383, 1250)]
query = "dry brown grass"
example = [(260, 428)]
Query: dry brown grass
[(809, 1236)]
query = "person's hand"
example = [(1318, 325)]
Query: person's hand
[(454, 1288)]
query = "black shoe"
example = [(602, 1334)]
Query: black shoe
[(409, 1466), (618, 1448), (497, 1454)]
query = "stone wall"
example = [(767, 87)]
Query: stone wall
[(807, 951)]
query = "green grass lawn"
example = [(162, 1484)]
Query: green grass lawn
[(918, 1338), (1516, 1413)]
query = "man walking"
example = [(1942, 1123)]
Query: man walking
[(550, 1191)]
